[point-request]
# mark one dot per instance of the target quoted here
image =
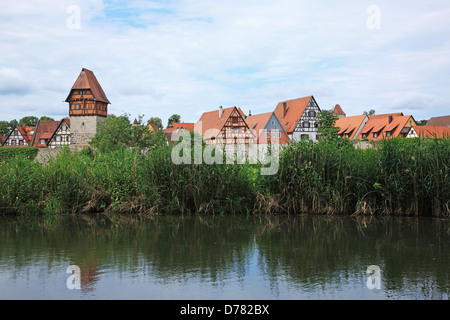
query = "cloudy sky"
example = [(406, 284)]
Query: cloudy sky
[(157, 58)]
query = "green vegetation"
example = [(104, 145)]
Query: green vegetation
[(26, 152), (400, 177)]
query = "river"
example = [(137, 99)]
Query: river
[(224, 257)]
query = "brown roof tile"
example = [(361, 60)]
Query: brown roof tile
[(338, 110), (44, 130), (432, 131), (443, 121), (350, 125), (289, 112), (87, 81)]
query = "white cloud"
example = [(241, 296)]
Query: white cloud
[(163, 57)]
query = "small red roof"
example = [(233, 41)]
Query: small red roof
[(211, 120), (338, 110), (87, 81), (350, 125), (44, 130)]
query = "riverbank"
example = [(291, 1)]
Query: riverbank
[(408, 177)]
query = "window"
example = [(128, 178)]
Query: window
[(364, 136), (16, 132), (77, 106), (312, 113), (375, 134), (306, 124), (58, 138), (316, 125), (389, 133), (13, 142), (304, 136), (68, 138), (236, 130), (267, 134), (235, 120), (42, 141), (273, 122), (20, 142), (317, 137), (278, 134), (31, 133), (64, 127)]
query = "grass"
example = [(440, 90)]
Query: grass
[(400, 177)]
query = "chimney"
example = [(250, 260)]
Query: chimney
[(220, 111), (390, 118), (284, 109), (249, 112)]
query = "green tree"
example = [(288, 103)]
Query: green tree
[(327, 130), (114, 134), (45, 118), (7, 126), (371, 112), (157, 121), (29, 121), (173, 118), (422, 122)]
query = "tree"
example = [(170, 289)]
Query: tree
[(155, 120), (370, 113), (45, 118), (173, 118), (29, 121), (114, 134), (327, 130), (422, 122), (7, 126), (117, 133)]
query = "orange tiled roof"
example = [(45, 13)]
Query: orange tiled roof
[(258, 122), (44, 130), (87, 80), (443, 121), (293, 112), (350, 125), (432, 131), (26, 133), (382, 124), (210, 120), (338, 110)]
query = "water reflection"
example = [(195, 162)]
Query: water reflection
[(264, 257)]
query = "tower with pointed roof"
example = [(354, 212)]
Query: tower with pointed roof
[(88, 107)]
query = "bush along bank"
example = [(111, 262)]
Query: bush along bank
[(400, 177)]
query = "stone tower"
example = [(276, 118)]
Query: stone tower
[(88, 106)]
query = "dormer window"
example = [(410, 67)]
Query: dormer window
[(375, 134)]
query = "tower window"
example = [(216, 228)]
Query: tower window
[(77, 106)]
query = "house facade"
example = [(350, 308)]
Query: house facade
[(20, 136), (61, 136), (299, 118), (351, 127), (386, 126), (267, 128), (225, 126)]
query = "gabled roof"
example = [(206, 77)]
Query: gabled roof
[(87, 81), (64, 120), (338, 110), (44, 130), (258, 121), (290, 117), (432, 131), (211, 120), (152, 126), (350, 125), (443, 121), (384, 123), (26, 133)]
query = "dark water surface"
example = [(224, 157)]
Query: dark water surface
[(226, 257)]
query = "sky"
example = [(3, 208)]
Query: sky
[(163, 57)]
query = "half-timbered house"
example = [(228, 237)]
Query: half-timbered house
[(20, 136), (61, 136), (43, 133), (299, 118), (226, 126)]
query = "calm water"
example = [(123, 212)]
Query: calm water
[(235, 258)]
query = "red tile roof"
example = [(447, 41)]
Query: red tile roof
[(443, 121), (26, 133), (382, 124), (338, 110), (289, 112), (87, 81), (350, 125), (211, 120), (258, 123), (432, 131)]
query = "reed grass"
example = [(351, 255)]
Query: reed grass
[(400, 177)]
